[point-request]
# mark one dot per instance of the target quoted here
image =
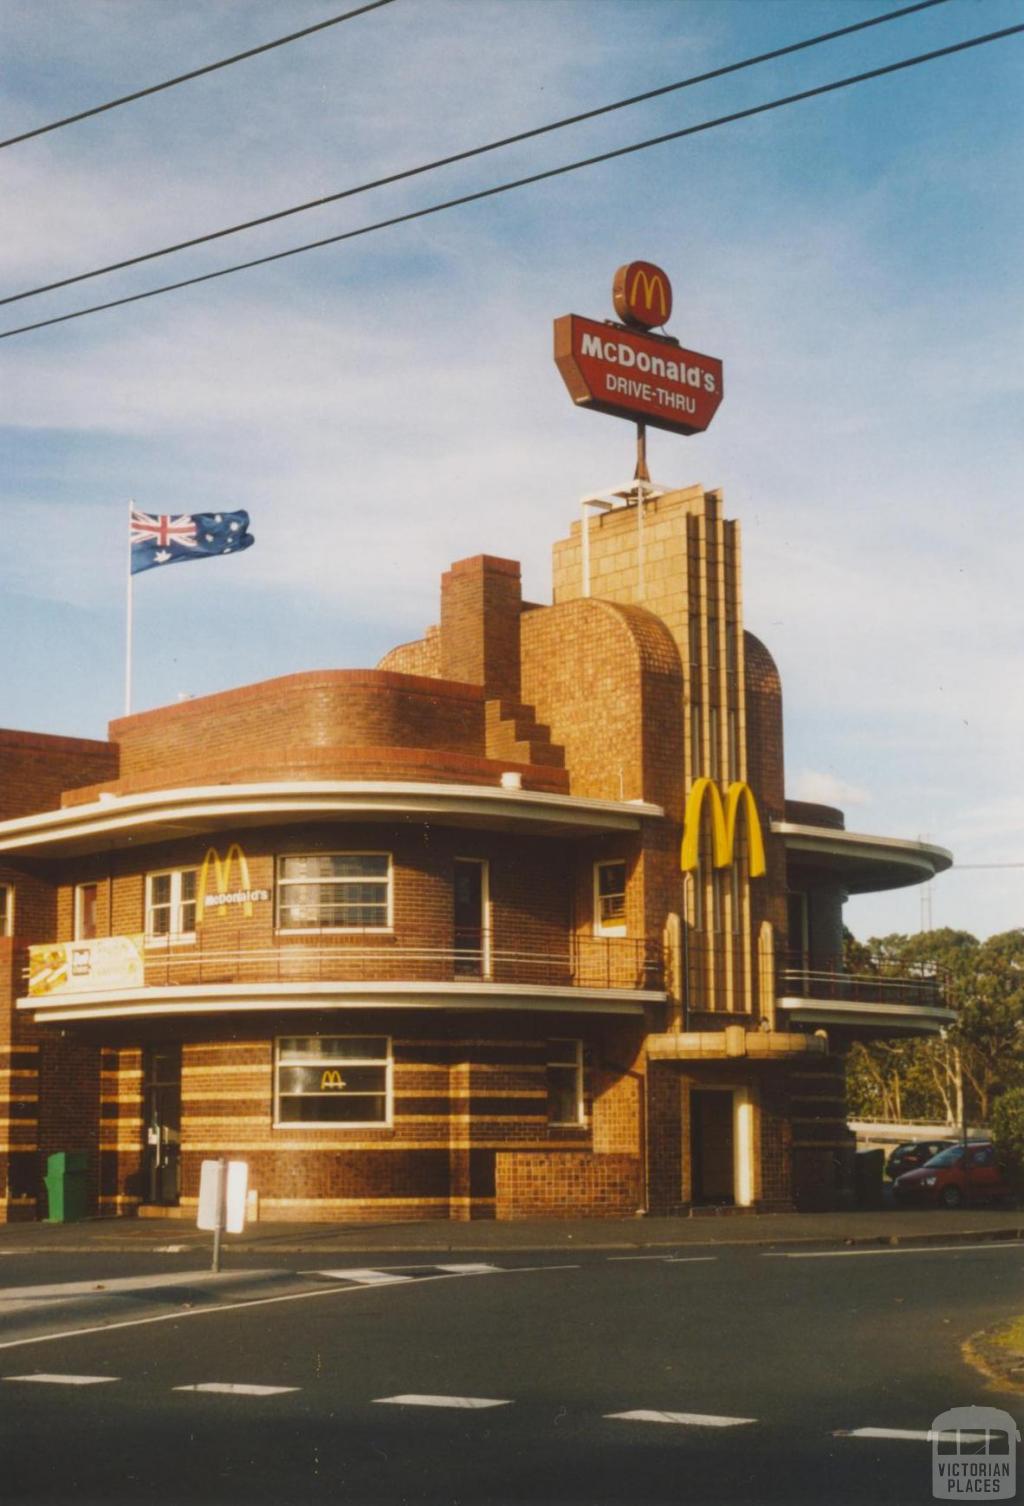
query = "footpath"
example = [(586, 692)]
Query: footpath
[(863, 1228)]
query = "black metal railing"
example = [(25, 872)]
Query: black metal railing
[(365, 957), (879, 983)]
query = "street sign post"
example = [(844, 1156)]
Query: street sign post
[(223, 1186)]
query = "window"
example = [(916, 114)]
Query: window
[(86, 897), (171, 905), (333, 1079), (6, 909), (334, 891), (565, 1082), (610, 898)]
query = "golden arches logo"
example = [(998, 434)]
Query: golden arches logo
[(221, 876), (653, 283), (331, 1079), (723, 826)]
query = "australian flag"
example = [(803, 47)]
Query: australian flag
[(167, 540)]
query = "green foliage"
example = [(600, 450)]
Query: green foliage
[(1008, 1128), (981, 1055)]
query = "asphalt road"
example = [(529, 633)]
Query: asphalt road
[(501, 1382)]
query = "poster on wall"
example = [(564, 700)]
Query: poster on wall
[(70, 966)]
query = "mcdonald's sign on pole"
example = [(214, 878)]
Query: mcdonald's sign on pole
[(222, 895), (624, 370)]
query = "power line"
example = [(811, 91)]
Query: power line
[(502, 188), (476, 151), (183, 78)]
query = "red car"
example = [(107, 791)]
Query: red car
[(943, 1180)]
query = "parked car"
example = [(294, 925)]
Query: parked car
[(943, 1179), (911, 1154)]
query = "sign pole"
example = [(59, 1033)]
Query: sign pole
[(222, 1197), (128, 623)]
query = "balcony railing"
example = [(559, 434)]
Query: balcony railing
[(918, 987), (582, 962)]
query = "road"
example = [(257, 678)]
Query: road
[(496, 1380)]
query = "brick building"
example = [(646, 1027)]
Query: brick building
[(519, 923)]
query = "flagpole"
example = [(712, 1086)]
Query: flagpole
[(128, 622)]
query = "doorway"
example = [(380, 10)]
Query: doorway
[(161, 1086), (712, 1156), (472, 939)]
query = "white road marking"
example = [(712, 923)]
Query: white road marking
[(666, 1259), (364, 1277), (64, 1380), (227, 1307), (236, 1388), (468, 1270), (901, 1250), (413, 1400), (686, 1419), (905, 1433)]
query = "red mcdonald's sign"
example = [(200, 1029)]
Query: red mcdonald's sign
[(630, 374)]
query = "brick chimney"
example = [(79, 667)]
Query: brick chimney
[(481, 602)]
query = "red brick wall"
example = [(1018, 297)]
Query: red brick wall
[(567, 1184), (35, 769), (481, 603)]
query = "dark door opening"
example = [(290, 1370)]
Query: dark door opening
[(470, 906), (161, 1079), (711, 1146)]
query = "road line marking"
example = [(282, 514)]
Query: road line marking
[(363, 1276), (905, 1433), (64, 1380), (236, 1388), (468, 1270), (906, 1250), (686, 1419), (666, 1259), (227, 1307), (413, 1400)]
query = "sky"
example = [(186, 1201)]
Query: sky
[(390, 404)]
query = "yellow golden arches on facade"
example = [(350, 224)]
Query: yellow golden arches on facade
[(331, 1078), (723, 826), (221, 876)]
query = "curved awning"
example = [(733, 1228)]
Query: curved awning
[(120, 821), (863, 864)]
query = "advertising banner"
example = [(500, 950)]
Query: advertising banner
[(631, 374), (73, 966)]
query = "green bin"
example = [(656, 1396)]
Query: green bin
[(66, 1186)]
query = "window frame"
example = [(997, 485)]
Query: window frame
[(329, 1125), (616, 928), (79, 910), (172, 937), (6, 908), (563, 1063), (282, 884)]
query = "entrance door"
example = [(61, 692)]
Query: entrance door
[(161, 1072), (712, 1157), (472, 942)]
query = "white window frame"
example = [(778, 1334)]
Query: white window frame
[(79, 907), (283, 884), (618, 927), (176, 935), (337, 1062), (6, 909), (574, 1059)]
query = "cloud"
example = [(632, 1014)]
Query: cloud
[(822, 788)]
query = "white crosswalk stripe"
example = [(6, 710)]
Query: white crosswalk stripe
[(413, 1400), (64, 1380), (237, 1388), (684, 1419), (359, 1276)]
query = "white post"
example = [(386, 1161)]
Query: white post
[(128, 623), (585, 535), (641, 584)]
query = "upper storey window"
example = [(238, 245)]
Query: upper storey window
[(171, 905), (334, 891), (610, 899), (6, 909)]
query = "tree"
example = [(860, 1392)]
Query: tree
[(982, 1053)]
